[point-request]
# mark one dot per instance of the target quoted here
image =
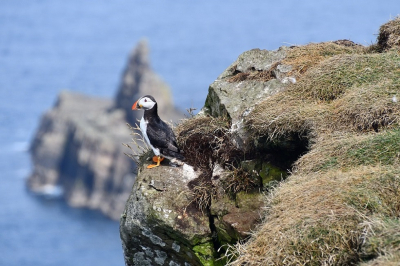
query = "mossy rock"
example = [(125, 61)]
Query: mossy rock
[(249, 201), (266, 171), (206, 254), (270, 173), (222, 205), (225, 234)]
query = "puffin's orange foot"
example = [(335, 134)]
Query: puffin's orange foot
[(155, 159)]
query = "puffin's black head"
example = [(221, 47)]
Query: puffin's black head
[(146, 103)]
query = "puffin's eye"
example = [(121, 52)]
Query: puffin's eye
[(145, 100)]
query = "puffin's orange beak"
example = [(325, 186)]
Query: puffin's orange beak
[(134, 106)]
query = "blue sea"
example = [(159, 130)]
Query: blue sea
[(50, 45)]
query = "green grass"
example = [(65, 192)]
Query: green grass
[(383, 241), (378, 193), (337, 75), (351, 151), (381, 148)]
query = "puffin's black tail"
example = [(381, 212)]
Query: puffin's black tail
[(178, 155)]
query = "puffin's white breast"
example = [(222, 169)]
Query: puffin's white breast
[(143, 128)]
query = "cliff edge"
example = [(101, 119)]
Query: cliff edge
[(214, 200)]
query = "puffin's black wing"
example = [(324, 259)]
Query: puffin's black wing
[(162, 137)]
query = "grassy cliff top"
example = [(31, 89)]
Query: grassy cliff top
[(341, 204)]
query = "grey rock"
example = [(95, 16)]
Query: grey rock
[(163, 220), (236, 100)]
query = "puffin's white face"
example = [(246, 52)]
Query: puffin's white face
[(145, 102)]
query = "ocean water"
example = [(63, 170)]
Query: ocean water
[(49, 45)]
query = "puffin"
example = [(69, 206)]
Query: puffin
[(158, 135)]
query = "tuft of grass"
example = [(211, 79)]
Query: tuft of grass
[(205, 139), (322, 218), (382, 243), (381, 148), (345, 151), (370, 107), (338, 74), (203, 191), (378, 193), (303, 58), (241, 180), (254, 74), (389, 35), (283, 114), (140, 151)]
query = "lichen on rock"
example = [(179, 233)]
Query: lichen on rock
[(163, 217)]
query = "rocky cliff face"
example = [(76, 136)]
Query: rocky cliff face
[(159, 225), (78, 146), (329, 112), (188, 215)]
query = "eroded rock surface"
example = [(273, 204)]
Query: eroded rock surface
[(160, 225), (254, 76)]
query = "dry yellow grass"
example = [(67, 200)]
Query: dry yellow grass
[(368, 107), (320, 219), (302, 58), (389, 34), (307, 223), (205, 138), (346, 92)]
